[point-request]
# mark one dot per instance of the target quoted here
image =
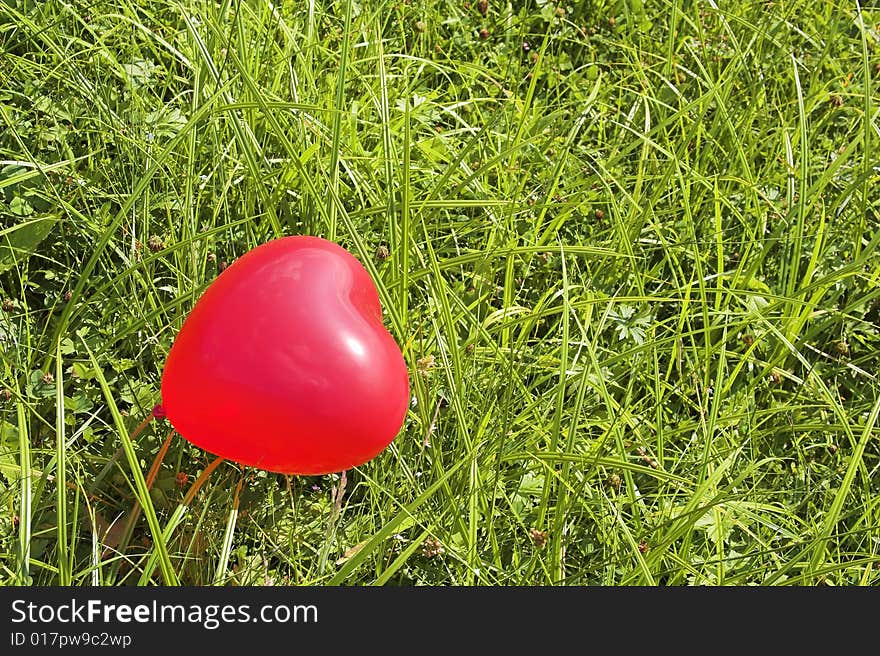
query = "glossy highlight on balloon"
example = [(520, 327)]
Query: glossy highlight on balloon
[(284, 363)]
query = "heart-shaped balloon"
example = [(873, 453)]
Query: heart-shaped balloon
[(284, 363)]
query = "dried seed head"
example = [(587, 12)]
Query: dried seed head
[(483, 7), (222, 266), (67, 295), (643, 547), (382, 252), (484, 33), (776, 377), (646, 458), (613, 482), (155, 243), (612, 21), (600, 214), (842, 346), (212, 257), (426, 364), (539, 538), (47, 378), (421, 26), (560, 11), (748, 340), (432, 547), (8, 305), (836, 100), (5, 394)]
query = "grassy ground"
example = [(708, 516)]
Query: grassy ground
[(629, 250)]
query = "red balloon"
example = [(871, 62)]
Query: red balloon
[(284, 363)]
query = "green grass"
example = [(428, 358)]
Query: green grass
[(630, 252)]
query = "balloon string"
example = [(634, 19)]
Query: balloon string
[(141, 426), (154, 469), (151, 478), (158, 412), (200, 481)]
